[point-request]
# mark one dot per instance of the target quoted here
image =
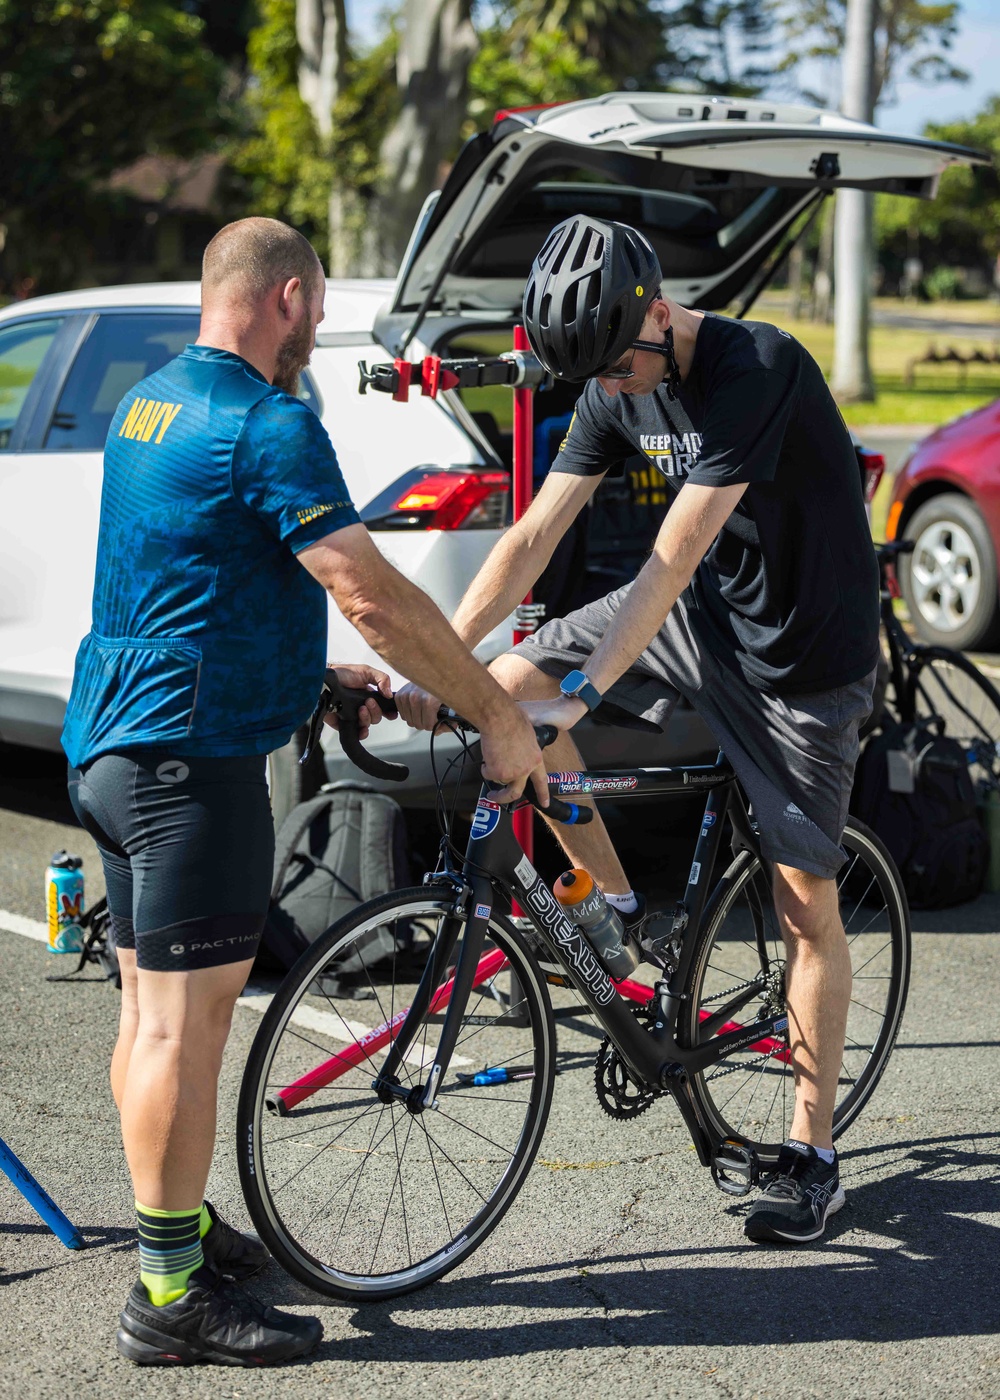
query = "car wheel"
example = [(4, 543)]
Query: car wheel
[(290, 782), (950, 580)]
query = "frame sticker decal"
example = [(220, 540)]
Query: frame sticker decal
[(486, 819), (574, 948), (585, 784)]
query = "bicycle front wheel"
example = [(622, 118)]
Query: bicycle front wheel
[(944, 685), (363, 1199), (750, 1095)]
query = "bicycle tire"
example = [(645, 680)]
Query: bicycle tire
[(435, 1210), (943, 684), (726, 1093)]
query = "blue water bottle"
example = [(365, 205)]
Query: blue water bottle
[(64, 903)]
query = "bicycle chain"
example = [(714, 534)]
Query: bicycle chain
[(744, 1064), (620, 1095), (721, 996)]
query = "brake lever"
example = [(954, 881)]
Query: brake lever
[(323, 706)]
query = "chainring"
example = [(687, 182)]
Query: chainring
[(618, 1093)]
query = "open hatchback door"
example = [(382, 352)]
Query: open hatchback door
[(717, 185)]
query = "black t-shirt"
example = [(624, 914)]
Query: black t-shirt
[(788, 592)]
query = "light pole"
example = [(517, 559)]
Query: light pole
[(852, 377)]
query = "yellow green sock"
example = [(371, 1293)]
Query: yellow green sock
[(169, 1250), (204, 1222)]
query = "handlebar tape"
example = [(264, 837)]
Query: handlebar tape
[(346, 703)]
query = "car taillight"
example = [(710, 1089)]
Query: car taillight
[(430, 498), (505, 112), (874, 467)]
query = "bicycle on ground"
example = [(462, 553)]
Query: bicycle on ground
[(399, 1083), (936, 685)]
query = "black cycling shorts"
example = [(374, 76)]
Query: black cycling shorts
[(187, 846)]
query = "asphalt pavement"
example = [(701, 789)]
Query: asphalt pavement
[(619, 1269)]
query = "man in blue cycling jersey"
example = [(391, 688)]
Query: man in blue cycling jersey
[(225, 523)]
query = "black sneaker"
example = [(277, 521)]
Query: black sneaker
[(214, 1321), (797, 1199), (232, 1253)]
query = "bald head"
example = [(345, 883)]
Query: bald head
[(248, 258)]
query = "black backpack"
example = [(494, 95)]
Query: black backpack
[(912, 787), (344, 846)]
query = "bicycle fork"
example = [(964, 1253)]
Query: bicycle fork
[(432, 992)]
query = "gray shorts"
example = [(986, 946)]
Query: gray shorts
[(794, 754)]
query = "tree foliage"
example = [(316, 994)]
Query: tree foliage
[(912, 38), (721, 46), (625, 38), (86, 87), (279, 163), (515, 71), (965, 216)]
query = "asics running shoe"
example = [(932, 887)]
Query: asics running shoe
[(797, 1199)]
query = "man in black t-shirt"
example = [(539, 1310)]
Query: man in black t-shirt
[(759, 604)]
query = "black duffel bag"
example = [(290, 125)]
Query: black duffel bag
[(912, 787)]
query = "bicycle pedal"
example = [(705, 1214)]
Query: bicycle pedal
[(735, 1168)]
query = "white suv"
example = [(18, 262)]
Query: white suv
[(718, 186)]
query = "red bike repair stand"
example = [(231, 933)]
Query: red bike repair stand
[(523, 373), (529, 614)]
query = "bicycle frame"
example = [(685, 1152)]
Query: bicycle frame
[(901, 649), (495, 862)]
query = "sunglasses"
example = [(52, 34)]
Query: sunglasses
[(618, 371)]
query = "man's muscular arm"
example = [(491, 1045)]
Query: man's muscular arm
[(692, 523), (403, 625)]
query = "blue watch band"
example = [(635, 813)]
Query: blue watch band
[(576, 686)]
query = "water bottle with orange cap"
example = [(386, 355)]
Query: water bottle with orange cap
[(585, 906)]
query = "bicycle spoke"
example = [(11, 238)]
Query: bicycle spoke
[(876, 937), (372, 1191), (452, 1163)]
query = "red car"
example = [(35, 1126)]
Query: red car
[(947, 499)]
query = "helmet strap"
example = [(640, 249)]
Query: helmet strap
[(672, 378)]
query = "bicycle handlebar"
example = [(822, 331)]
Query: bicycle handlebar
[(346, 703), (569, 813)]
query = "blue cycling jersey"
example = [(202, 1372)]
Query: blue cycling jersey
[(208, 634)]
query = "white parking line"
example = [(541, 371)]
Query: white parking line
[(308, 1017), (311, 1019), (27, 928)]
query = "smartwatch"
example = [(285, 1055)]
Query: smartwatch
[(576, 686)]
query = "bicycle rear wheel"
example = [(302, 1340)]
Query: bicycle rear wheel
[(946, 686), (750, 1095), (362, 1199)]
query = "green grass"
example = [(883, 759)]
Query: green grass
[(937, 396)]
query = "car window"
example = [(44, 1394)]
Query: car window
[(120, 350), (23, 347)]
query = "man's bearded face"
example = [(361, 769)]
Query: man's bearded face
[(293, 355)]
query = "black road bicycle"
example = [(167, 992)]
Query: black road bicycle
[(933, 684), (400, 1080)]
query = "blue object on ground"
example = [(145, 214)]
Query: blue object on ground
[(39, 1199), (490, 1076)]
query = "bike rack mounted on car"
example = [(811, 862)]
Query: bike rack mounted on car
[(524, 373)]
